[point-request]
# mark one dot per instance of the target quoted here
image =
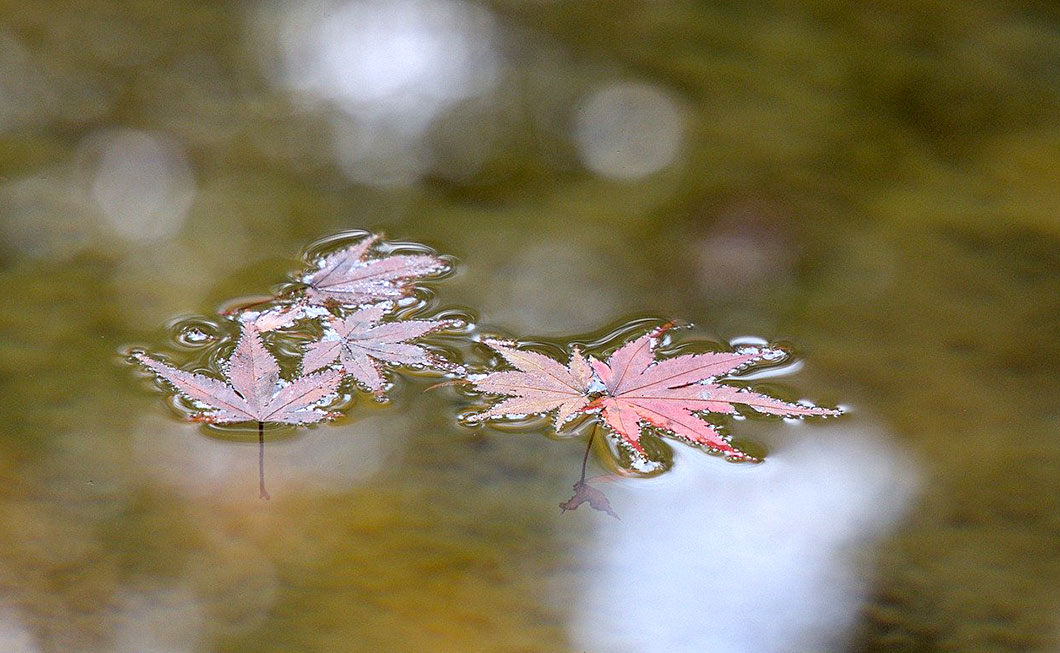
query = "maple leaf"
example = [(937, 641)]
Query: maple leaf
[(539, 384), (276, 317), (349, 277), (633, 390), (363, 345), (583, 492), (254, 392), (671, 394)]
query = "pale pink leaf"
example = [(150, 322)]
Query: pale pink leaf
[(394, 353), (279, 317), (580, 370), (538, 385), (516, 383), (300, 395), (402, 331), (220, 397), (350, 277), (364, 345), (364, 370), (363, 318), (333, 266), (517, 406), (321, 353), (308, 416), (252, 369), (540, 367)]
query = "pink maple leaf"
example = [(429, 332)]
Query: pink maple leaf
[(363, 345), (276, 317), (539, 384), (672, 394), (350, 277), (254, 392), (633, 389)]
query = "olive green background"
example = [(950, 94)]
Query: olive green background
[(890, 169)]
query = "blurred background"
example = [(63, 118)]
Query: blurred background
[(875, 183)]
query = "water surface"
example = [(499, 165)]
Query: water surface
[(873, 183)]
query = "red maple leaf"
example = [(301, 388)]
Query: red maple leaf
[(363, 345), (671, 394), (632, 390)]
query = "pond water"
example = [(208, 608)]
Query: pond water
[(872, 185)]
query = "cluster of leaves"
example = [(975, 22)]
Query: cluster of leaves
[(633, 390), (352, 295)]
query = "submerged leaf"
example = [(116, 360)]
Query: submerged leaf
[(255, 392), (583, 492)]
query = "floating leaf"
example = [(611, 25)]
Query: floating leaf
[(632, 390), (364, 346), (671, 394), (539, 384), (254, 392), (349, 276)]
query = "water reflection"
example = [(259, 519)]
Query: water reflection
[(15, 637), (552, 286), (134, 185), (628, 131), (715, 557), (908, 152), (336, 459), (33, 93), (747, 248), (159, 619), (23, 98), (389, 68), (46, 216), (160, 279), (141, 184)]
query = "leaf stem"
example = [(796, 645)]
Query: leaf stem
[(588, 448), (262, 493)]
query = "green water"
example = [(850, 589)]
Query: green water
[(873, 183)]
